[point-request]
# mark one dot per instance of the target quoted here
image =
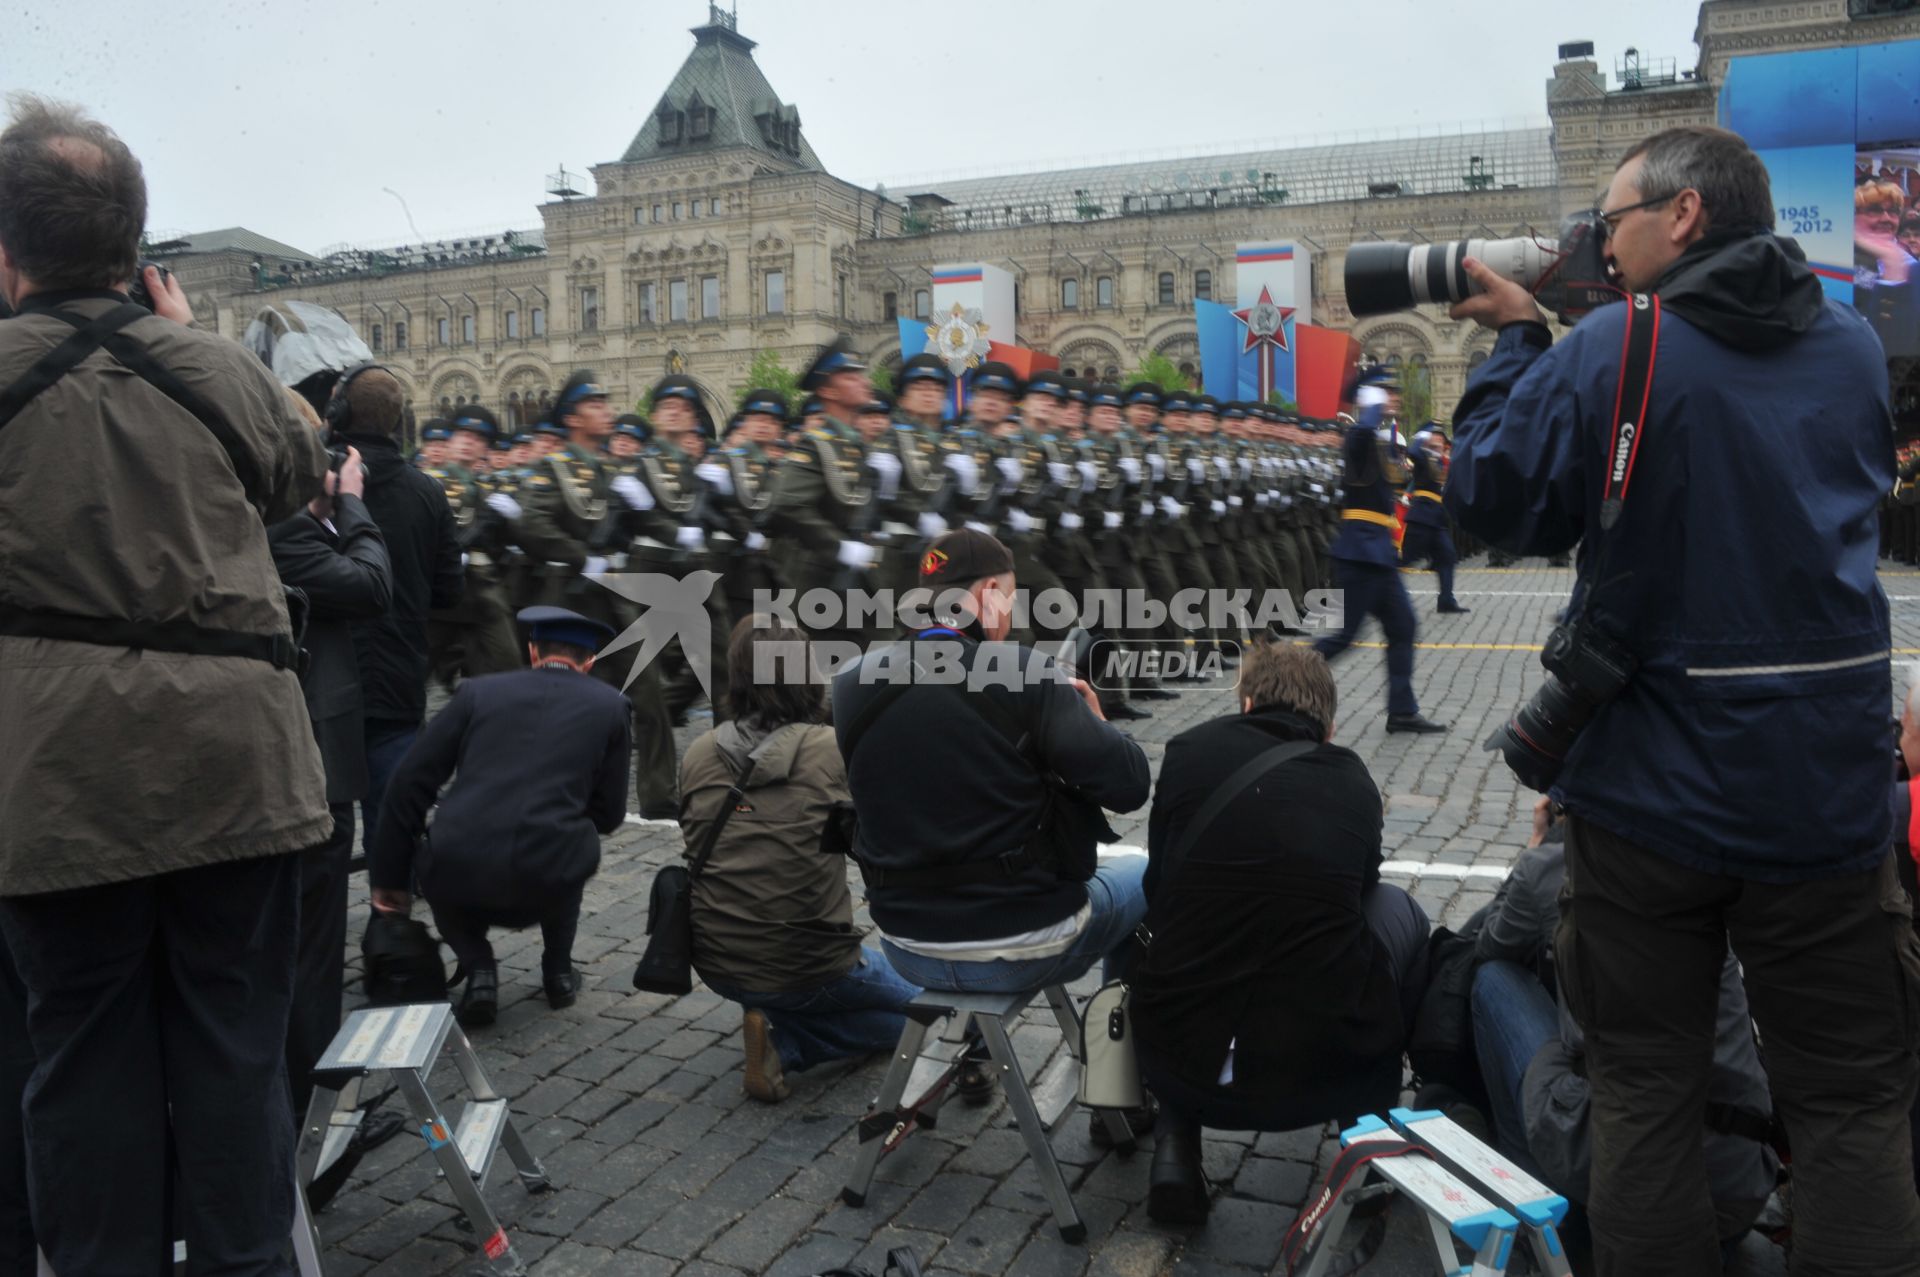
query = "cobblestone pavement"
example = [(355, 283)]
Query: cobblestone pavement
[(662, 1166)]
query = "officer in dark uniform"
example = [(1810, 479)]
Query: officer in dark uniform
[(822, 491), (542, 760), (573, 517), (1429, 532), (1367, 567)]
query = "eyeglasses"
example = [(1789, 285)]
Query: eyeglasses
[(1607, 217)]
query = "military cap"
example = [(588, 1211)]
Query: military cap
[(558, 625), (1205, 404), (473, 417), (548, 426), (503, 443), (435, 431), (837, 357), (1176, 401), (523, 438), (1105, 396), (924, 367), (769, 403), (1143, 392), (1049, 383), (581, 385), (675, 387), (811, 406), (1077, 390), (879, 401), (633, 425), (994, 375), (1234, 412), (1378, 375)]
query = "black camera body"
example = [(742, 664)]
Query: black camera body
[(137, 291), (1586, 668)]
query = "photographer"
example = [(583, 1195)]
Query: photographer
[(158, 768), (1731, 781), (332, 553)]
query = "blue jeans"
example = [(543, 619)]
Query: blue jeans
[(387, 743), (1119, 905), (1513, 1017), (858, 1014)]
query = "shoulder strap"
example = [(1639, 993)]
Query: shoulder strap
[(1630, 398), (736, 794), (104, 331), (1238, 783)]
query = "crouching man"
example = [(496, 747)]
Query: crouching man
[(542, 757)]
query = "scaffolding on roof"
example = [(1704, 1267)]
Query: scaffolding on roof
[(1438, 162)]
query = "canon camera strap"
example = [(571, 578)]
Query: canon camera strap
[(1630, 399)]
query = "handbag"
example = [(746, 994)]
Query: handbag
[(1110, 1072), (667, 965), (1440, 1039), (401, 961)]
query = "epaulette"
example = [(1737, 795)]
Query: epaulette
[(822, 434), (538, 480)]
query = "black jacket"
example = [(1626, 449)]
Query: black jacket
[(345, 576), (423, 546), (1260, 937), (936, 783), (542, 760)]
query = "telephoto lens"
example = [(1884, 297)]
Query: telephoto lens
[(1385, 277)]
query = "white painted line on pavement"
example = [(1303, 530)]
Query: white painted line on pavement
[(1443, 870), (633, 819)]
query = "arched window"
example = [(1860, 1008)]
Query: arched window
[(1113, 373), (1069, 294), (922, 304), (539, 322), (1103, 292), (466, 329), (446, 406), (1166, 288), (1068, 372), (513, 409), (1203, 285), (1186, 369)]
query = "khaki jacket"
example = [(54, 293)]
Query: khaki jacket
[(771, 913), (116, 503)]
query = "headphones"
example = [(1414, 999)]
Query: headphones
[(339, 412)]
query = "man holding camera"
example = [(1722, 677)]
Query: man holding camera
[(1722, 761), (158, 770)]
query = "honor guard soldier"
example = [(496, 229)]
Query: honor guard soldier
[(1023, 487), (918, 512), (629, 438), (924, 384), (1149, 477), (434, 438), (1104, 459), (1367, 567), (573, 517), (475, 636), (541, 759), (1429, 534), (822, 491), (743, 499)]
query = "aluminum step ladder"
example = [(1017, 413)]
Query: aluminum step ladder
[(1452, 1207), (1539, 1209), (406, 1042)]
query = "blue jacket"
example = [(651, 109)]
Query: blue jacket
[(1370, 479), (1424, 490), (1753, 740)]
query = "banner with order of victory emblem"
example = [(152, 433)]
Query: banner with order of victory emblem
[(970, 322)]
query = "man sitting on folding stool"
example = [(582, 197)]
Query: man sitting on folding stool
[(970, 791)]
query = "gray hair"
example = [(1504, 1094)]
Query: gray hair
[(1731, 180), (73, 199)]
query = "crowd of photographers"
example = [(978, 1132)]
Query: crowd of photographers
[(216, 637)]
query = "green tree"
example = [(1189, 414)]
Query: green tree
[(1416, 396), (1162, 372), (766, 372), (1281, 402), (882, 378)]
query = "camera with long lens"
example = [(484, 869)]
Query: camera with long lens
[(1567, 276), (1585, 669)]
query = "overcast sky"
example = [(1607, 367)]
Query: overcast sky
[(289, 118)]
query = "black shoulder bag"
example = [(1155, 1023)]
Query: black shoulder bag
[(667, 965)]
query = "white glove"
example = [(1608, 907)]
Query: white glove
[(965, 470), (1019, 521), (1089, 475), (1260, 499), (1111, 519), (1317, 487), (1285, 501), (1196, 468), (1246, 465), (1010, 472), (855, 554), (1171, 508), (1224, 465), (1235, 502), (1130, 466), (718, 477), (979, 527), (691, 537), (1218, 507), (1158, 464), (756, 541), (1146, 509), (931, 524), (595, 566), (1367, 396), (633, 492), (1070, 521), (886, 471), (463, 558), (1060, 472), (503, 505)]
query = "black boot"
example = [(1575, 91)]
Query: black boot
[(562, 987), (480, 1003), (1177, 1186)]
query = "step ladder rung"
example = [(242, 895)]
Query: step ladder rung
[(478, 1135)]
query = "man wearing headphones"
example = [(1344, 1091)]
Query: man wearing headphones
[(423, 547)]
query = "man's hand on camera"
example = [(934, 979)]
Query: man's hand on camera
[(353, 476), (1542, 821), (1088, 695), (1500, 301), (169, 299), (392, 900)]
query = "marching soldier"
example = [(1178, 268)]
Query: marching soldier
[(1369, 567), (1429, 535), (573, 517), (1034, 476), (1106, 458), (629, 439), (919, 510), (741, 478), (1188, 477), (434, 438), (475, 636), (822, 491)]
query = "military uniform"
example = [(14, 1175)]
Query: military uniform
[(1429, 536), (742, 498), (476, 635)]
